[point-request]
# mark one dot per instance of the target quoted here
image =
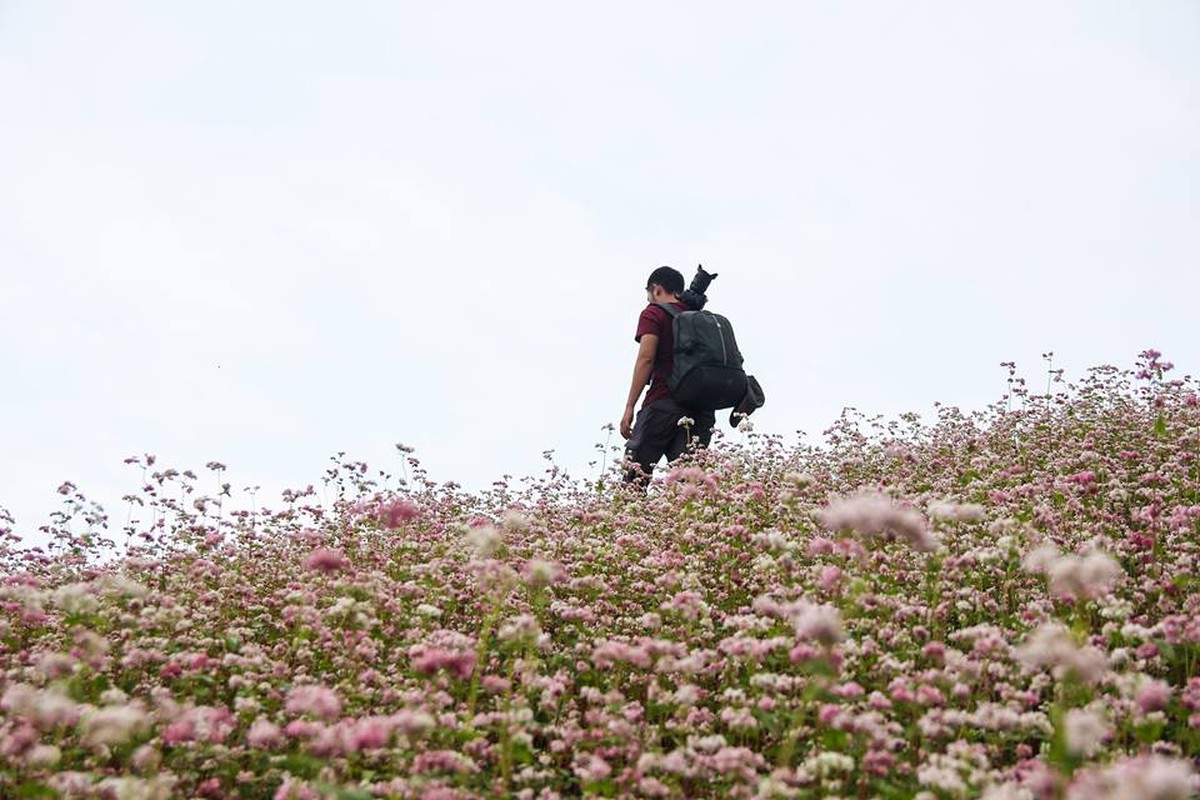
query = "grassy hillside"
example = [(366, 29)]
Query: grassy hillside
[(1001, 603)]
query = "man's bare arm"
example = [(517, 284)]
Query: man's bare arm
[(642, 367)]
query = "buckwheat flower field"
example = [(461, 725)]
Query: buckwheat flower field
[(1000, 604)]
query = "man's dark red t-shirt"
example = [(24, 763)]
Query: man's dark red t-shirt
[(658, 322)]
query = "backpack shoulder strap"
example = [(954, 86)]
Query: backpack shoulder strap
[(670, 309)]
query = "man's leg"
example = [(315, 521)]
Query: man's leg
[(703, 430), (647, 444)]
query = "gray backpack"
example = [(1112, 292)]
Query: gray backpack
[(708, 372)]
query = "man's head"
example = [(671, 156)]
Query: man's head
[(664, 284)]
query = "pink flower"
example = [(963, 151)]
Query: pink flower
[(263, 735), (444, 761), (819, 623), (1051, 646), (929, 695), (849, 690), (1090, 576), (325, 559), (412, 723), (199, 724), (303, 728), (802, 652), (293, 789), (1141, 778), (830, 577), (828, 713), (875, 515), (1085, 478), (1154, 695), (394, 513), (210, 788), (820, 546), (371, 733), (878, 762), (18, 741), (539, 572), (1084, 731), (317, 701), (694, 479), (428, 660), (329, 742), (596, 769)]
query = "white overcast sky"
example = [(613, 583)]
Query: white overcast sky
[(265, 232)]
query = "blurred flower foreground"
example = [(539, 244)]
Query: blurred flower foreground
[(1000, 604)]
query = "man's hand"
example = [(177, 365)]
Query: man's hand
[(627, 423)]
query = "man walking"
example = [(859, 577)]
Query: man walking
[(662, 426)]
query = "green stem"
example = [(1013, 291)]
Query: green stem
[(485, 635)]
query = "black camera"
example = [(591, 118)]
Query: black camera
[(693, 297)]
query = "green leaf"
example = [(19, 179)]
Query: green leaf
[(835, 740), (888, 789), (302, 766), (1185, 581), (522, 753), (1148, 733), (604, 788), (1160, 426), (29, 789)]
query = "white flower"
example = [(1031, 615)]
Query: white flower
[(113, 724), (156, 788), (513, 520), (686, 695), (708, 744), (122, 586), (522, 627), (956, 512), (43, 755), (771, 540), (1006, 791), (828, 763), (76, 598), (19, 698), (873, 514), (1051, 646), (1039, 559), (1118, 610), (1141, 778), (1084, 731), (57, 665), (800, 478), (820, 623), (685, 422), (1089, 577), (540, 572), (485, 539)]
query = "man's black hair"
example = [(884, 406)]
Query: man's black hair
[(668, 278)]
